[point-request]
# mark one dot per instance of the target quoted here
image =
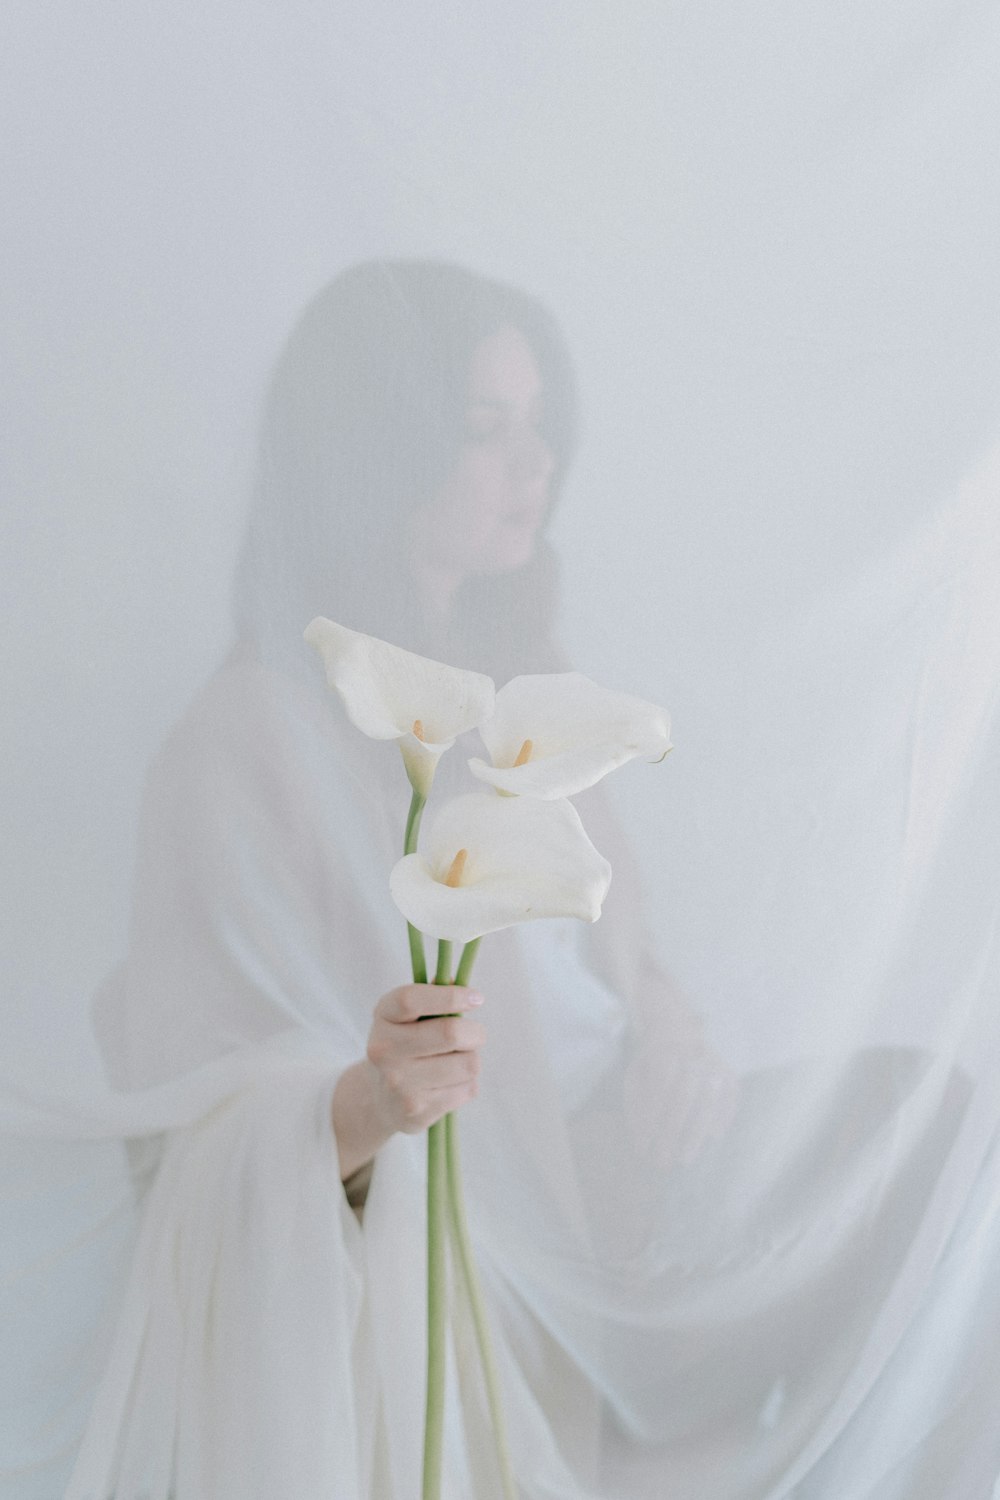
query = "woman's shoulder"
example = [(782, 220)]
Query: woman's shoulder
[(266, 745), (251, 708), (246, 694), (250, 725)]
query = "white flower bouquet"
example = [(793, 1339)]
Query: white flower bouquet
[(490, 860)]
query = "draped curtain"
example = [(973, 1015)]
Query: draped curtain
[(733, 1170)]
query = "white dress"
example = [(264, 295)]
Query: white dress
[(692, 1327), (268, 1342)]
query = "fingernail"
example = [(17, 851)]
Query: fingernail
[(473, 997)]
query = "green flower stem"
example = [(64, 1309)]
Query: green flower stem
[(437, 1299), (464, 970), (437, 1208), (462, 1247), (418, 959), (437, 1279), (443, 975), (446, 1215)]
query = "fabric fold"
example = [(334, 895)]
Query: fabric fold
[(233, 1366)]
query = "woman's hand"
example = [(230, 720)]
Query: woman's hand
[(420, 1064)]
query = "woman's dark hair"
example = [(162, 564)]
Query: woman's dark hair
[(363, 421)]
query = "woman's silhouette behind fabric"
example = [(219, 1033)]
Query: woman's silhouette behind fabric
[(674, 1287)]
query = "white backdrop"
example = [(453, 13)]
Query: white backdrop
[(770, 234)]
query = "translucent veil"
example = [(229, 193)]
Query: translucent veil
[(732, 1170)]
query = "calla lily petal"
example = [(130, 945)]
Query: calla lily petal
[(392, 694), (525, 860), (555, 734)]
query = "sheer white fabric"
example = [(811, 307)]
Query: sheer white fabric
[(733, 1170)]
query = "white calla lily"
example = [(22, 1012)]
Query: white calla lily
[(555, 734), (492, 862), (392, 694)]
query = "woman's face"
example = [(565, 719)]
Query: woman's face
[(487, 516)]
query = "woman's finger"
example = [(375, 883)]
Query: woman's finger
[(413, 1002), (426, 1074), (439, 1035)]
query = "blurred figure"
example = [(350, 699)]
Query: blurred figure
[(416, 438), (676, 1271)]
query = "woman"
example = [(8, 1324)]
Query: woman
[(416, 435), (678, 1301)]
